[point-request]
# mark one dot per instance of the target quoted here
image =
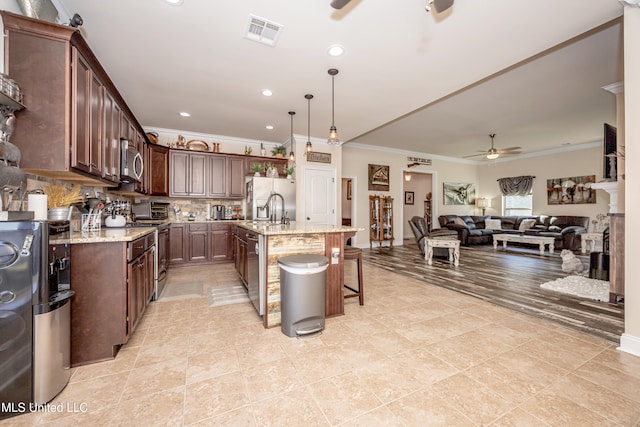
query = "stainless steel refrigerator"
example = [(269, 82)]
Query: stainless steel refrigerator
[(263, 202)]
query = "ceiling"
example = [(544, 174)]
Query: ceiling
[(410, 79)]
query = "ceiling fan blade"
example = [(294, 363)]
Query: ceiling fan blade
[(339, 4), (510, 149), (442, 5), (484, 153), (509, 152)]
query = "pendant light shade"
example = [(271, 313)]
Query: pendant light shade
[(308, 147), (333, 132), (292, 156)]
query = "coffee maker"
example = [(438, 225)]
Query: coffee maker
[(217, 212)]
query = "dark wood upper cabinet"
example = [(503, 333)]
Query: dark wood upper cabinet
[(217, 175), (207, 175), (86, 141), (111, 138), (197, 175), (237, 172), (158, 169), (64, 132), (187, 174)]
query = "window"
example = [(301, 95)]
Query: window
[(517, 205)]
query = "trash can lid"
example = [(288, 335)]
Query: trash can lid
[(304, 261)]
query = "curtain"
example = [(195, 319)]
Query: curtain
[(516, 186)]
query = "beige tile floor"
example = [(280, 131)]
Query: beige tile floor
[(413, 355)]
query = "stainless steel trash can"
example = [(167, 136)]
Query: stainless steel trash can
[(599, 266), (302, 293)]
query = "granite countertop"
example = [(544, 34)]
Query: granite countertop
[(104, 235), (269, 229), (128, 234)]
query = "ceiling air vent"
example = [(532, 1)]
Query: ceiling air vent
[(262, 30)]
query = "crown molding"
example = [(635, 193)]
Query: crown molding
[(630, 3)]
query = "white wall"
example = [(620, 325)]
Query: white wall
[(357, 157), (559, 165), (630, 340), (355, 161)]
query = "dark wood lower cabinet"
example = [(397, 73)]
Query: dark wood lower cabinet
[(178, 241), (221, 242), (200, 243), (113, 282)]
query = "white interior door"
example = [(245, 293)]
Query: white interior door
[(320, 196)]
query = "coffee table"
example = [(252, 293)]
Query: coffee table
[(452, 244), (537, 240)]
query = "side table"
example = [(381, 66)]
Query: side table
[(589, 240), (452, 245)]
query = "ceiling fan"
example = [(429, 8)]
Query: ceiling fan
[(439, 5), (494, 153)]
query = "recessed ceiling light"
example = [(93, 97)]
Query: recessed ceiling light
[(335, 50), (185, 114), (267, 92), (270, 127), (174, 2)]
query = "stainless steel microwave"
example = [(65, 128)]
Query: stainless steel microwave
[(131, 164)]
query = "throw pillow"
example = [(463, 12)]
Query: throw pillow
[(527, 224), (459, 221), (493, 224)]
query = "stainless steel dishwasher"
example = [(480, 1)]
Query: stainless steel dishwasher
[(253, 271)]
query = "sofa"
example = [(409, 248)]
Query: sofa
[(474, 230)]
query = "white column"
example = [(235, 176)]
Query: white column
[(630, 339)]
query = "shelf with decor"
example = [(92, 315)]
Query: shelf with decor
[(380, 221), (428, 215)]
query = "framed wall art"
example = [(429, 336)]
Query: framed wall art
[(457, 193), (571, 191), (408, 197), (318, 157), (378, 178)]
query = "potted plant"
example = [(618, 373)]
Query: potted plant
[(279, 151), (256, 168), (60, 199), (289, 171)]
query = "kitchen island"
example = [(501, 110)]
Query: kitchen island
[(297, 238)]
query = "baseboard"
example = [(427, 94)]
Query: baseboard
[(630, 344)]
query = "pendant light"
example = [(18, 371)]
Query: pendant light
[(308, 147), (292, 157), (333, 132)]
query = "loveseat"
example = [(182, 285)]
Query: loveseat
[(474, 230)]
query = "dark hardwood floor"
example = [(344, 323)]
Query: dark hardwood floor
[(510, 279)]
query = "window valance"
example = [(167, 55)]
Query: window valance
[(516, 186)]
